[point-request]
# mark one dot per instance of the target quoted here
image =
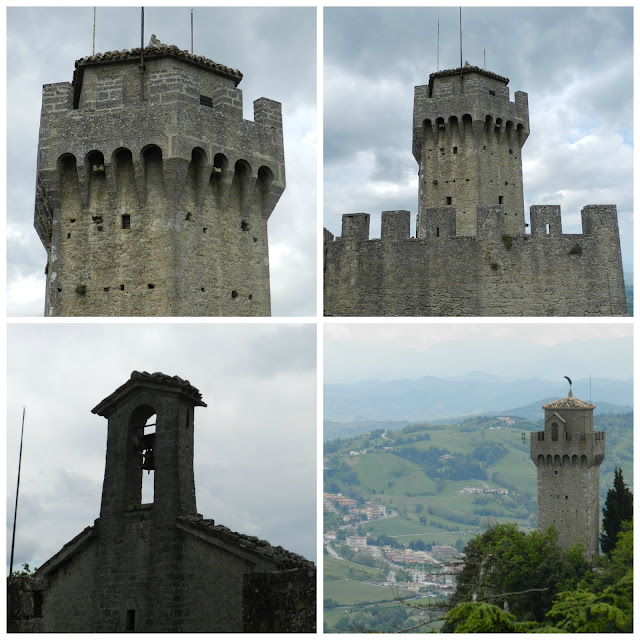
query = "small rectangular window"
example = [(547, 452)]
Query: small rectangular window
[(500, 199), (449, 200), (126, 221), (492, 93), (131, 620), (205, 101), (455, 151)]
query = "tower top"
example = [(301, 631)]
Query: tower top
[(153, 51), (467, 69), (151, 381), (568, 403)]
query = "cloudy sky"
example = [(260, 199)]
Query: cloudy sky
[(275, 48), (255, 443), (357, 352), (576, 64)]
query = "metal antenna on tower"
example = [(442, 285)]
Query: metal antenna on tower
[(15, 513), (484, 53), (460, 44), (142, 54), (191, 30), (438, 53), (94, 31)]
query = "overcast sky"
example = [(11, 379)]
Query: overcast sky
[(275, 49), (255, 443), (576, 64), (357, 352)]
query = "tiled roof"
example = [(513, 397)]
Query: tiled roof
[(155, 49), (141, 378), (254, 545), (467, 69), (569, 403)]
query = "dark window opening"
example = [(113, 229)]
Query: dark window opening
[(131, 620), (244, 225), (126, 221), (500, 199), (492, 93), (437, 232), (206, 101), (72, 219), (121, 287), (204, 229), (106, 288), (201, 288), (97, 219), (511, 151), (234, 294), (68, 235), (255, 239), (151, 286), (59, 290), (188, 216), (250, 297), (449, 200), (38, 601), (455, 151)]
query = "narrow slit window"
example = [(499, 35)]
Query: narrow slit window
[(455, 151), (126, 221), (500, 199), (449, 200), (130, 624)]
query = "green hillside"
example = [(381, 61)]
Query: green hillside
[(418, 473)]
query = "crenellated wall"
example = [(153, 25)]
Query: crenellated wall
[(156, 207), (489, 273)]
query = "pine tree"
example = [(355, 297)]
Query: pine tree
[(618, 507)]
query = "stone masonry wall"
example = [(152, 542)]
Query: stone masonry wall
[(157, 207), (546, 273), (281, 601), (25, 597)]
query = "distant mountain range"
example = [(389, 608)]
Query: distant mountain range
[(435, 399)]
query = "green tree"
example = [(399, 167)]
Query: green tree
[(618, 508), (520, 572)]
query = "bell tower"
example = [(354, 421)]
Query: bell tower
[(150, 429), (467, 141), (568, 454)]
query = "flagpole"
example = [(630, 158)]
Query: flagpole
[(15, 513)]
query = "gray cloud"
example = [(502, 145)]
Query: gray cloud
[(255, 459), (576, 64)]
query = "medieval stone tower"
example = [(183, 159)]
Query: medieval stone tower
[(467, 141), (153, 193), (471, 254), (567, 455), (151, 563)]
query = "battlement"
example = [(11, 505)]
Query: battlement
[(183, 202), (487, 273)]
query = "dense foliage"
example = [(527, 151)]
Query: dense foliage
[(618, 508), (514, 582)]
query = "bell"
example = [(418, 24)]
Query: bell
[(148, 462)]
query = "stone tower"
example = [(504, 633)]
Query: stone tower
[(467, 141), (137, 535), (153, 193), (567, 455)]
